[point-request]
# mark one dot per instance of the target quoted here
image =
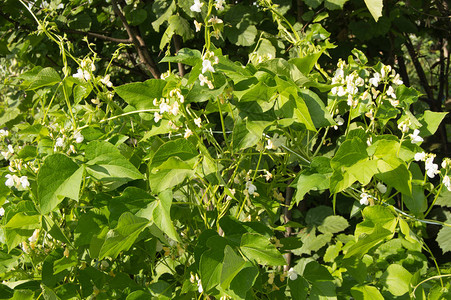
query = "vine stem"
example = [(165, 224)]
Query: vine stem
[(428, 279)]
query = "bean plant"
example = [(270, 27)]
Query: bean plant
[(271, 179)]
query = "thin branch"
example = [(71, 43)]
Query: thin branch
[(138, 41), (178, 45), (420, 71), (287, 218), (403, 69), (99, 36)]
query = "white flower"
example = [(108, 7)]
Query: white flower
[(431, 168), (86, 75), (188, 133), (4, 133), (181, 97), (206, 66), (198, 122), (268, 175), (381, 187), (10, 181), (196, 6), (199, 287), (351, 102), (219, 4), (34, 237), (364, 199), (251, 188), (157, 117), (78, 137), (446, 182), (391, 92), (215, 20), (397, 80), (175, 108), (420, 156), (11, 149), (2, 211), (375, 80), (385, 70), (24, 182), (5, 154), (164, 107), (415, 137), (106, 81), (79, 74), (275, 142), (403, 126), (197, 25), (59, 142), (292, 275), (340, 121), (204, 80)]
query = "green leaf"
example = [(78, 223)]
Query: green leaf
[(141, 94), (233, 264), (211, 262), (136, 16), (308, 182), (366, 292), (45, 77), (396, 279), (313, 3), (58, 177), (185, 56), (243, 138), (349, 153), (333, 224), (161, 214), (366, 242), (417, 202), (107, 163), (394, 172), (444, 199), (132, 199), (298, 288), (123, 236), (163, 17), (177, 25), (139, 295), (312, 242), (444, 238), (241, 35), (23, 295), (334, 4), (258, 247), (323, 290), (376, 215), (318, 112), (166, 179), (375, 8), (180, 148), (243, 282), (315, 272), (430, 121)]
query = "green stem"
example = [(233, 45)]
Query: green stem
[(433, 202)]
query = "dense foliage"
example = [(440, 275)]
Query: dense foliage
[(255, 163)]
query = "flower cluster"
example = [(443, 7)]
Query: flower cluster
[(348, 82), (8, 153), (432, 168), (84, 73), (14, 180)]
